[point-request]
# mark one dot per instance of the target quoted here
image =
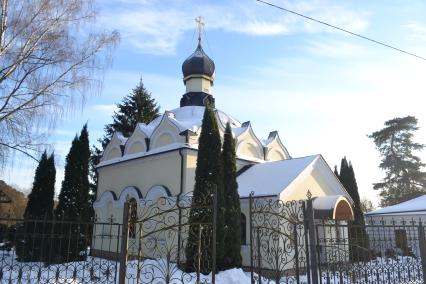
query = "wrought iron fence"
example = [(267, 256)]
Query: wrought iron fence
[(289, 246), (166, 241), (381, 251), (52, 251)]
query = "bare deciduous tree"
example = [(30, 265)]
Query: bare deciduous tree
[(367, 205), (50, 55)]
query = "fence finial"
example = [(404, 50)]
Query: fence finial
[(309, 194)]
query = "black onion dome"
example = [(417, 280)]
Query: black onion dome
[(198, 63)]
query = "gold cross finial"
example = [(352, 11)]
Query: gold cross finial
[(200, 26)]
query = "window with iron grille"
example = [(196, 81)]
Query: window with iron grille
[(133, 213)]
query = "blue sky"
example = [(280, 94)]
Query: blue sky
[(323, 90)]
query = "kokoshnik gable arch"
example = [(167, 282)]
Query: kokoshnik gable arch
[(161, 157)]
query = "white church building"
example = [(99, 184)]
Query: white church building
[(159, 158)]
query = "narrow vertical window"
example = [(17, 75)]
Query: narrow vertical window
[(133, 214)]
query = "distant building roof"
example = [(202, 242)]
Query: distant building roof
[(414, 206)]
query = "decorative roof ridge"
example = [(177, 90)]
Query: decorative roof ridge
[(143, 127), (120, 136), (274, 136), (246, 124)]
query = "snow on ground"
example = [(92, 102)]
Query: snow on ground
[(90, 271), (96, 270), (401, 269)]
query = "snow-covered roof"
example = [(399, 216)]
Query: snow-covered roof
[(121, 137), (332, 206), (149, 128), (414, 206), (188, 118), (273, 177), (177, 122), (326, 202)]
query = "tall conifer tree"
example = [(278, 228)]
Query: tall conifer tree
[(232, 252), (40, 200), (85, 201), (137, 107), (74, 201), (405, 177), (336, 171), (208, 175), (30, 245), (357, 234), (67, 200)]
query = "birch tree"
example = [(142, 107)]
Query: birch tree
[(51, 56)]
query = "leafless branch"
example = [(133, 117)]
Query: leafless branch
[(46, 61), (21, 149)]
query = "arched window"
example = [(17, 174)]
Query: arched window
[(133, 216), (243, 229)]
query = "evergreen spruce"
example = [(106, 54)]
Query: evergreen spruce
[(232, 254), (208, 175), (336, 172), (84, 157), (67, 207), (29, 243), (74, 201), (95, 158), (40, 200), (73, 198), (357, 234), (137, 107), (404, 178)]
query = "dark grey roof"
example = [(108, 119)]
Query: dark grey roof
[(196, 99), (198, 63)]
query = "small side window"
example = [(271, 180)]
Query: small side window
[(133, 214)]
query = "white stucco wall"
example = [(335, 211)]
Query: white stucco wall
[(136, 143), (317, 186), (162, 169), (275, 151)]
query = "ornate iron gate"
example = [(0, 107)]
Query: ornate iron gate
[(278, 241), (160, 235)]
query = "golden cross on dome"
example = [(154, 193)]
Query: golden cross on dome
[(200, 26)]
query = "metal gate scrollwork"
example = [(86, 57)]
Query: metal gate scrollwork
[(278, 236), (163, 231)]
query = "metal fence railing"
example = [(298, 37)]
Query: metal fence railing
[(380, 251), (152, 244), (57, 251), (169, 240)]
